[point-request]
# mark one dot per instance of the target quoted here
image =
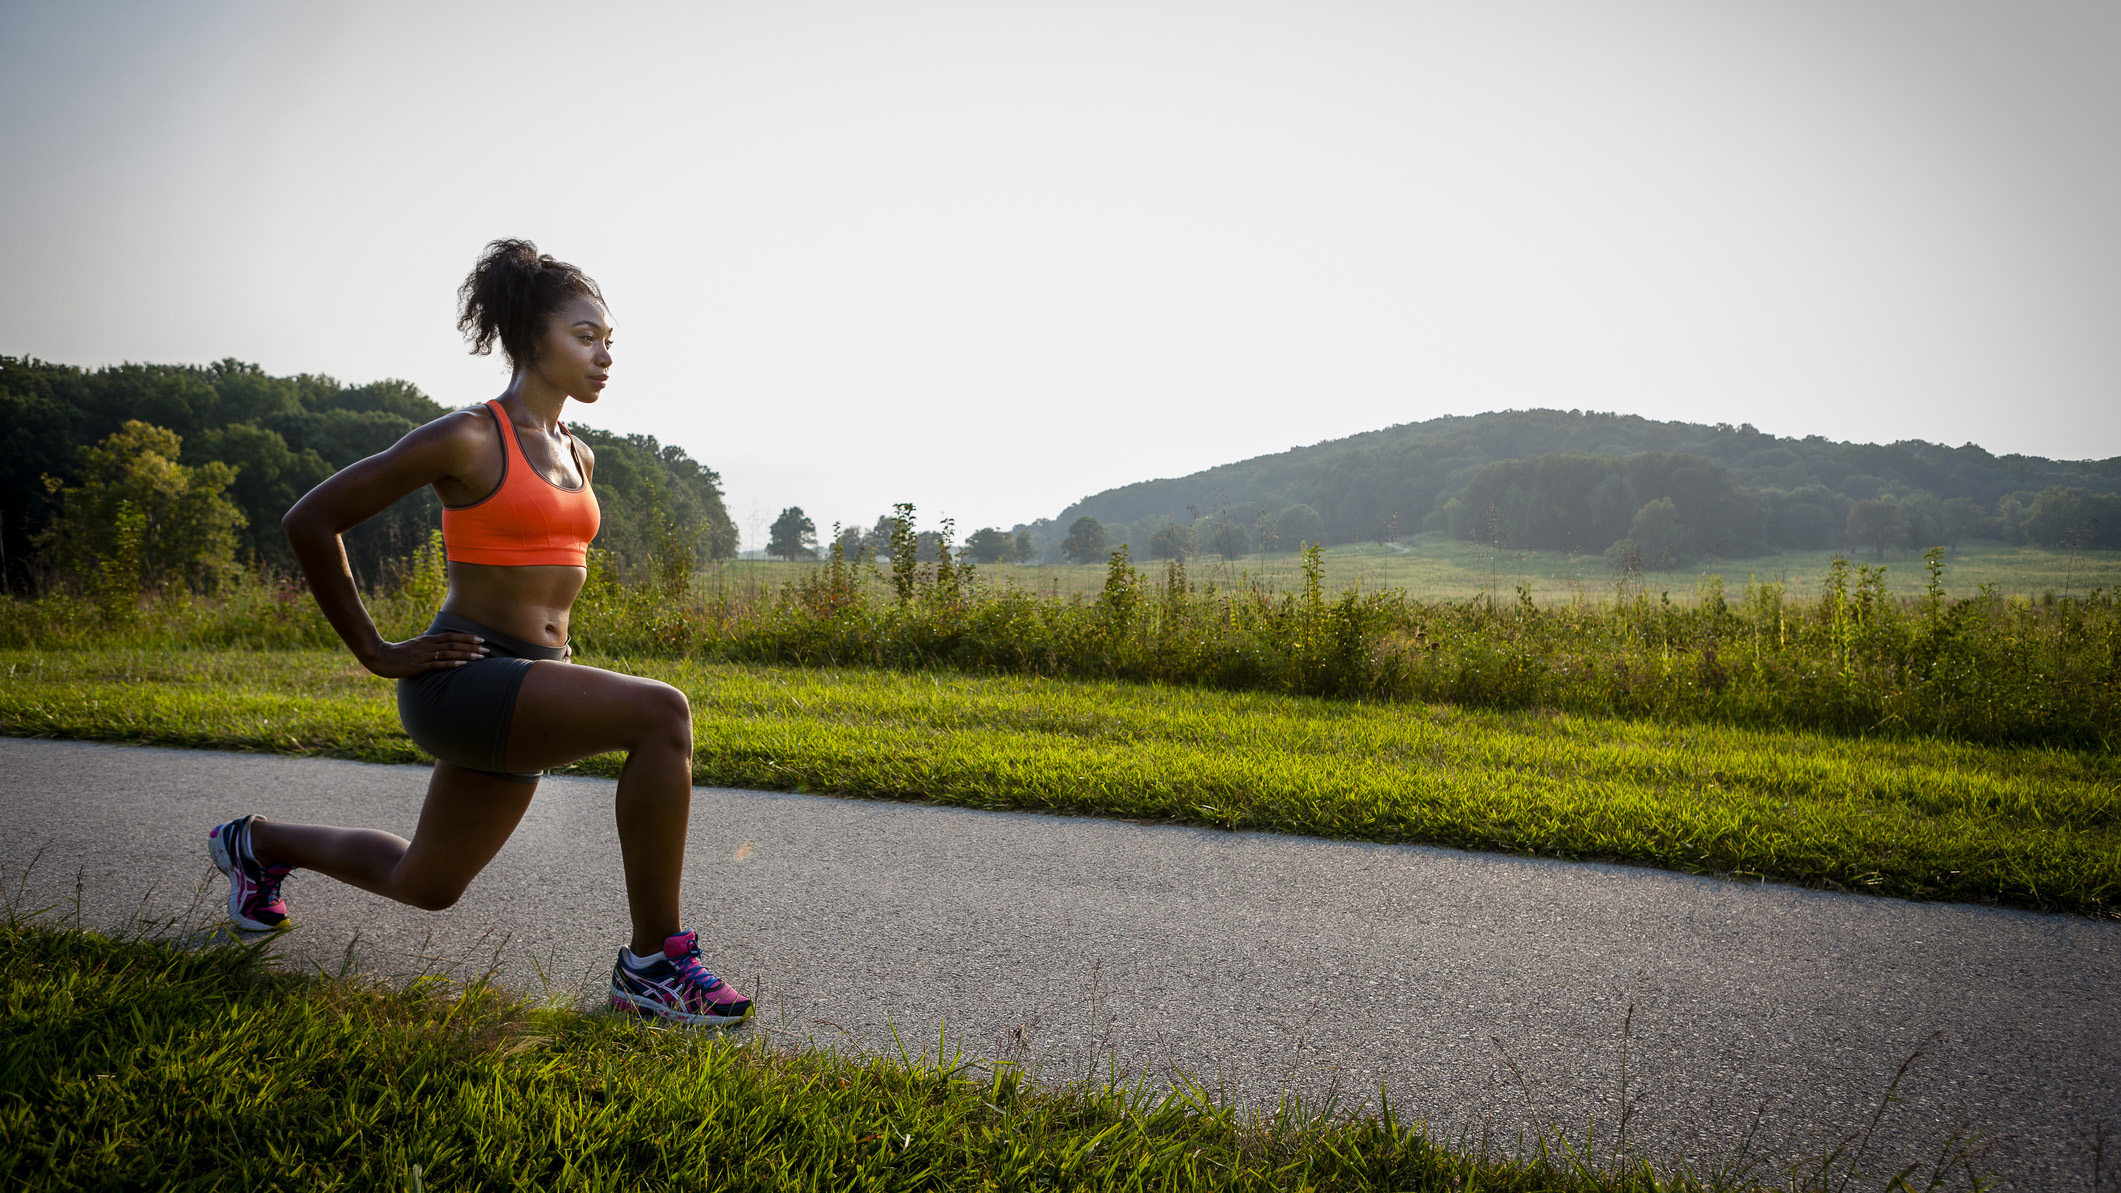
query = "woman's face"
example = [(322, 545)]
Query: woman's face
[(575, 355)]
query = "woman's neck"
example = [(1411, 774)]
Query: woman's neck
[(526, 395)]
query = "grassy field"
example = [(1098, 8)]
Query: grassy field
[(1912, 817), (134, 1065), (1435, 567), (1856, 661)]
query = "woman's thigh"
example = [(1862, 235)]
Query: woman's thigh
[(566, 712)]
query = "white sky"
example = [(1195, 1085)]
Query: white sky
[(991, 257)]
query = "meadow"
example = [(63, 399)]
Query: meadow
[(1434, 567)]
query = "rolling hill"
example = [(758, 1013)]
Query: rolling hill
[(1580, 480)]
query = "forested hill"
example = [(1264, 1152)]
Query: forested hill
[(280, 436), (1579, 481)]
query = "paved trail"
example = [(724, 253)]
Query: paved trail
[(1270, 961)]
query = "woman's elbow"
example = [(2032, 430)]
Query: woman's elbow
[(305, 522), (294, 522)]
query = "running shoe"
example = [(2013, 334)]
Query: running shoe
[(675, 986), (254, 901)]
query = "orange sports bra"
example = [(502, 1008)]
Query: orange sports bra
[(526, 520)]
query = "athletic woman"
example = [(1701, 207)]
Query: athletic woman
[(489, 689)]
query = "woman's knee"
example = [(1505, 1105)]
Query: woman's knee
[(432, 896), (668, 715)]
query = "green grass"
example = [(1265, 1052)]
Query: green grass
[(1858, 660), (1903, 816), (135, 1064), (1436, 567)]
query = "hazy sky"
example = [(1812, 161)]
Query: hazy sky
[(991, 257)]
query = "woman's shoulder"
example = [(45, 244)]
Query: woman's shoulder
[(468, 430), (475, 418), (582, 453)]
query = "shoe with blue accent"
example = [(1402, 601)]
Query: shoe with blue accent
[(254, 901), (675, 986)]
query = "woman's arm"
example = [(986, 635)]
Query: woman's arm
[(440, 450)]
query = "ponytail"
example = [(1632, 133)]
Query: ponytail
[(509, 295)]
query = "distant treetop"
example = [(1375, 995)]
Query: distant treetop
[(1578, 480)]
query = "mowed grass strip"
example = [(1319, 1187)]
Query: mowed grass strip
[(137, 1065), (1909, 817)]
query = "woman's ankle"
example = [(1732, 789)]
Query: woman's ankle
[(264, 850), (655, 945)]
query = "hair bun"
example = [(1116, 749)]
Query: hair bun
[(510, 294)]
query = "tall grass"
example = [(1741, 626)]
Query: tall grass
[(1436, 568), (1982, 669), (1854, 660)]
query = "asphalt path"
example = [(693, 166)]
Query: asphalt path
[(1255, 963)]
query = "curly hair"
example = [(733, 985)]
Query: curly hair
[(509, 295)]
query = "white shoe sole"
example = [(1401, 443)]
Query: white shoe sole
[(623, 1000)]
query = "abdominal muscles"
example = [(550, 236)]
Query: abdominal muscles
[(530, 603)]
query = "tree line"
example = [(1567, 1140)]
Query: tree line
[(1576, 480), (793, 536), (1649, 509), (181, 473), (1660, 493), (1673, 508)]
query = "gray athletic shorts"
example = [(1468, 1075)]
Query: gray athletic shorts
[(462, 714)]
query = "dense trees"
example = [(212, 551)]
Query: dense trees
[(137, 519), (1085, 542), (1878, 525), (1172, 541), (1578, 502), (1656, 531), (988, 545), (656, 497), (1299, 524), (278, 436), (1227, 537), (877, 543), (2073, 517), (1963, 516), (1570, 479)]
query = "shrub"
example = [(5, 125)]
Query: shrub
[(139, 520)]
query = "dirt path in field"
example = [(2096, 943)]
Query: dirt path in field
[(1255, 962)]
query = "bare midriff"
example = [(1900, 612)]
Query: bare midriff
[(529, 602)]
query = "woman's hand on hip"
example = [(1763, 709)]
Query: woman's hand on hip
[(428, 652)]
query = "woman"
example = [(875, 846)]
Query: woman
[(489, 689)]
